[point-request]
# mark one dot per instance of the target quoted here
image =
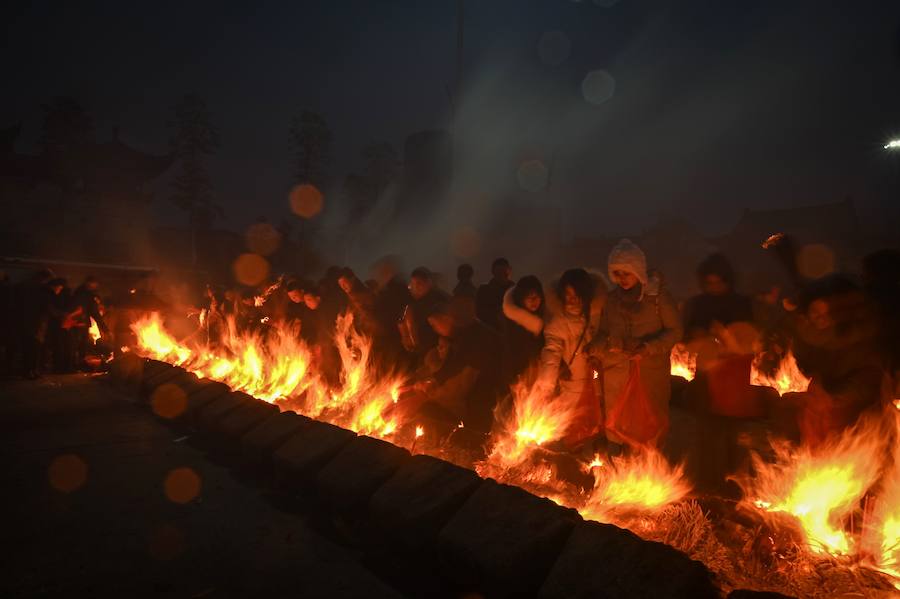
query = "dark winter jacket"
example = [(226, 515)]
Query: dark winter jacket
[(523, 339), (701, 311), (489, 302)]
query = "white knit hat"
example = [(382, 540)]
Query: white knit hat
[(628, 257)]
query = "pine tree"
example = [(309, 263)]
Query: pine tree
[(310, 140), (193, 140)]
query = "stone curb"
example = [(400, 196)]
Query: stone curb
[(259, 443), (371, 462), (478, 534)]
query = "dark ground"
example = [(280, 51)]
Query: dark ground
[(118, 535)]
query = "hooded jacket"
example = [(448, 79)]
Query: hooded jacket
[(562, 332), (645, 320)]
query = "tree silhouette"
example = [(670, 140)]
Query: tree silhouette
[(310, 140), (193, 139), (381, 168)]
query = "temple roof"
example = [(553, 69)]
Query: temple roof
[(114, 160), (111, 166), (825, 220)]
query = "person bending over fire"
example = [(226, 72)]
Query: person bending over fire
[(639, 326), (458, 380), (416, 333), (565, 368), (836, 347), (718, 328), (86, 305)]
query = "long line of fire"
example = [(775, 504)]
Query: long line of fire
[(841, 499)]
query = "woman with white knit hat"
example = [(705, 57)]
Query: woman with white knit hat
[(638, 327)]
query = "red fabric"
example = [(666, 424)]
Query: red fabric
[(822, 416), (730, 392), (588, 420), (633, 417), (73, 319)]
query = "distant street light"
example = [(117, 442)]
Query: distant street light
[(892, 145)]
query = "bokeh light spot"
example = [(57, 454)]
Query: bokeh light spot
[(168, 401), (182, 485), (532, 175), (554, 48), (306, 200), (166, 543), (251, 269), (67, 473), (263, 239), (815, 260), (465, 242), (598, 87)]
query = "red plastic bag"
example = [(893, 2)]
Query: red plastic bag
[(730, 392), (633, 417), (588, 419)]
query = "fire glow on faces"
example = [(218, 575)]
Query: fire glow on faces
[(532, 302), (572, 301), (624, 279)]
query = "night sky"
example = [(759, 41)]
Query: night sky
[(716, 106)]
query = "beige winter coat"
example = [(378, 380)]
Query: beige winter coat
[(561, 335), (653, 321)]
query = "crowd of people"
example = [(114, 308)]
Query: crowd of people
[(598, 343), (46, 324)]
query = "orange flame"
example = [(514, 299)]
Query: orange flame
[(684, 362), (787, 379), (276, 366), (94, 331), (536, 418), (270, 369), (642, 482), (817, 490)]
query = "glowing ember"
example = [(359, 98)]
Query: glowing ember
[(772, 240), (787, 379), (94, 331), (818, 489), (260, 300), (643, 482), (684, 362), (419, 431)]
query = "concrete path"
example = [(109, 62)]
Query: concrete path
[(99, 499)]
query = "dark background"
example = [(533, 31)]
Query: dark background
[(718, 106)]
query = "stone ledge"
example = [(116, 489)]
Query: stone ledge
[(243, 419), (211, 415), (477, 534), (262, 441), (503, 541), (412, 507), (601, 560), (350, 478), (299, 460)]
